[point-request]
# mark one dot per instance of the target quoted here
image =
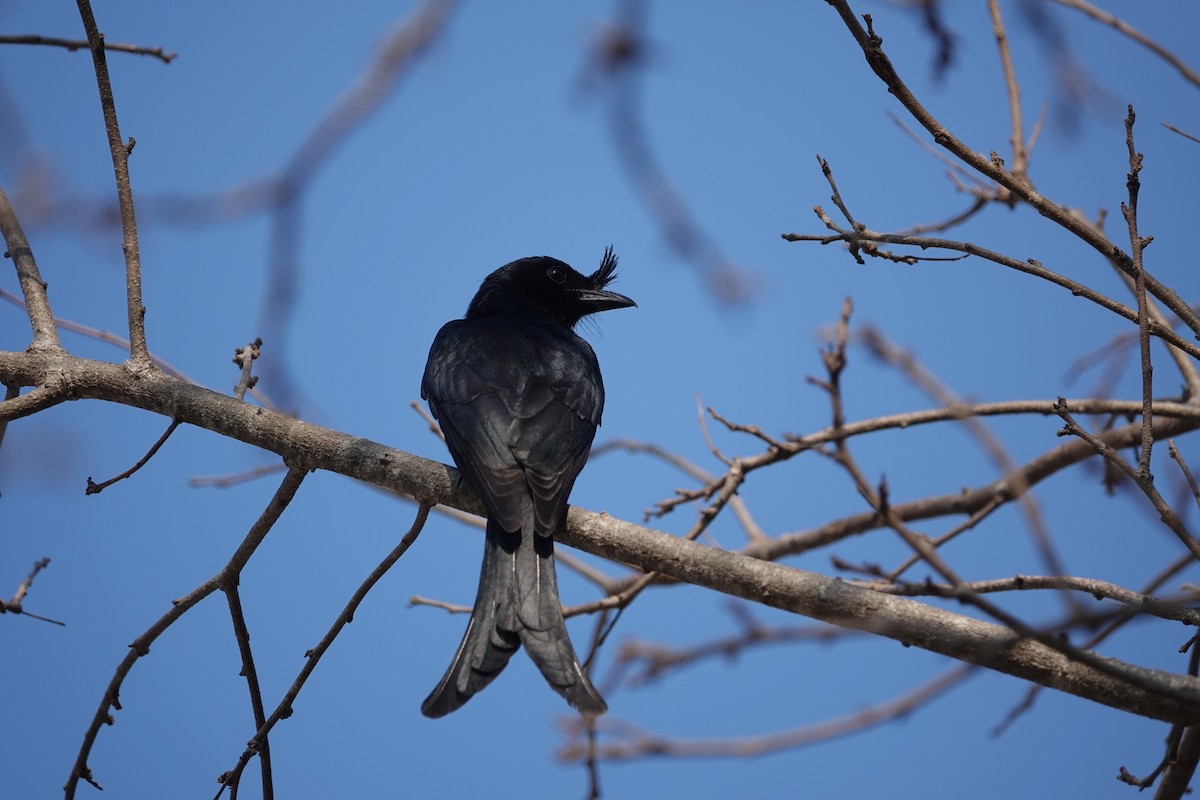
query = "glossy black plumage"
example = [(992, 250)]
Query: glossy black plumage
[(519, 397)]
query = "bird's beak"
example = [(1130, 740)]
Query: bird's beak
[(602, 300)]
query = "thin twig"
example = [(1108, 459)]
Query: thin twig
[(82, 44), (313, 656), (878, 500), (1137, 244), (1144, 481), (225, 481), (1029, 267), (620, 601), (657, 660), (242, 633), (1180, 766), (1140, 602), (1096, 639), (712, 447), (737, 505), (96, 488), (1020, 156), (1183, 467), (641, 744), (992, 446), (1184, 134), (245, 357), (434, 428), (108, 337), (120, 151), (14, 606), (452, 608)]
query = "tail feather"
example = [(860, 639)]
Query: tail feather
[(542, 629), (491, 637), (517, 603)]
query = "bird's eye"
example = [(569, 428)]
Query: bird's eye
[(556, 274)]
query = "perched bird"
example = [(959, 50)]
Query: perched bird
[(519, 397)]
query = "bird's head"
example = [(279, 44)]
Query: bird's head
[(544, 286)]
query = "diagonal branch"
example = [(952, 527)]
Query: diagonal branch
[(1120, 25), (1173, 698)]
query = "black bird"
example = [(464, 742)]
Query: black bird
[(519, 397)]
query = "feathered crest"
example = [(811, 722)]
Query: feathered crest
[(608, 269)]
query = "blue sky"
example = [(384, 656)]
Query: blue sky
[(494, 148)]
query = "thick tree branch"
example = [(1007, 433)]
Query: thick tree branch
[(1174, 698)]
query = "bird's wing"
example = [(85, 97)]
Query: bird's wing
[(519, 409)]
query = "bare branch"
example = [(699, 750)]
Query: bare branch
[(1183, 467), (37, 304), (225, 481), (313, 656), (857, 237), (434, 428), (1138, 601), (14, 606), (141, 646), (1100, 15), (991, 445), (1020, 155), (96, 488), (1100, 636), (872, 47), (1145, 481), (242, 633), (120, 157), (245, 357), (655, 660), (1137, 244), (451, 608), (55, 390), (640, 744), (108, 337), (82, 44), (1181, 133), (737, 505)]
